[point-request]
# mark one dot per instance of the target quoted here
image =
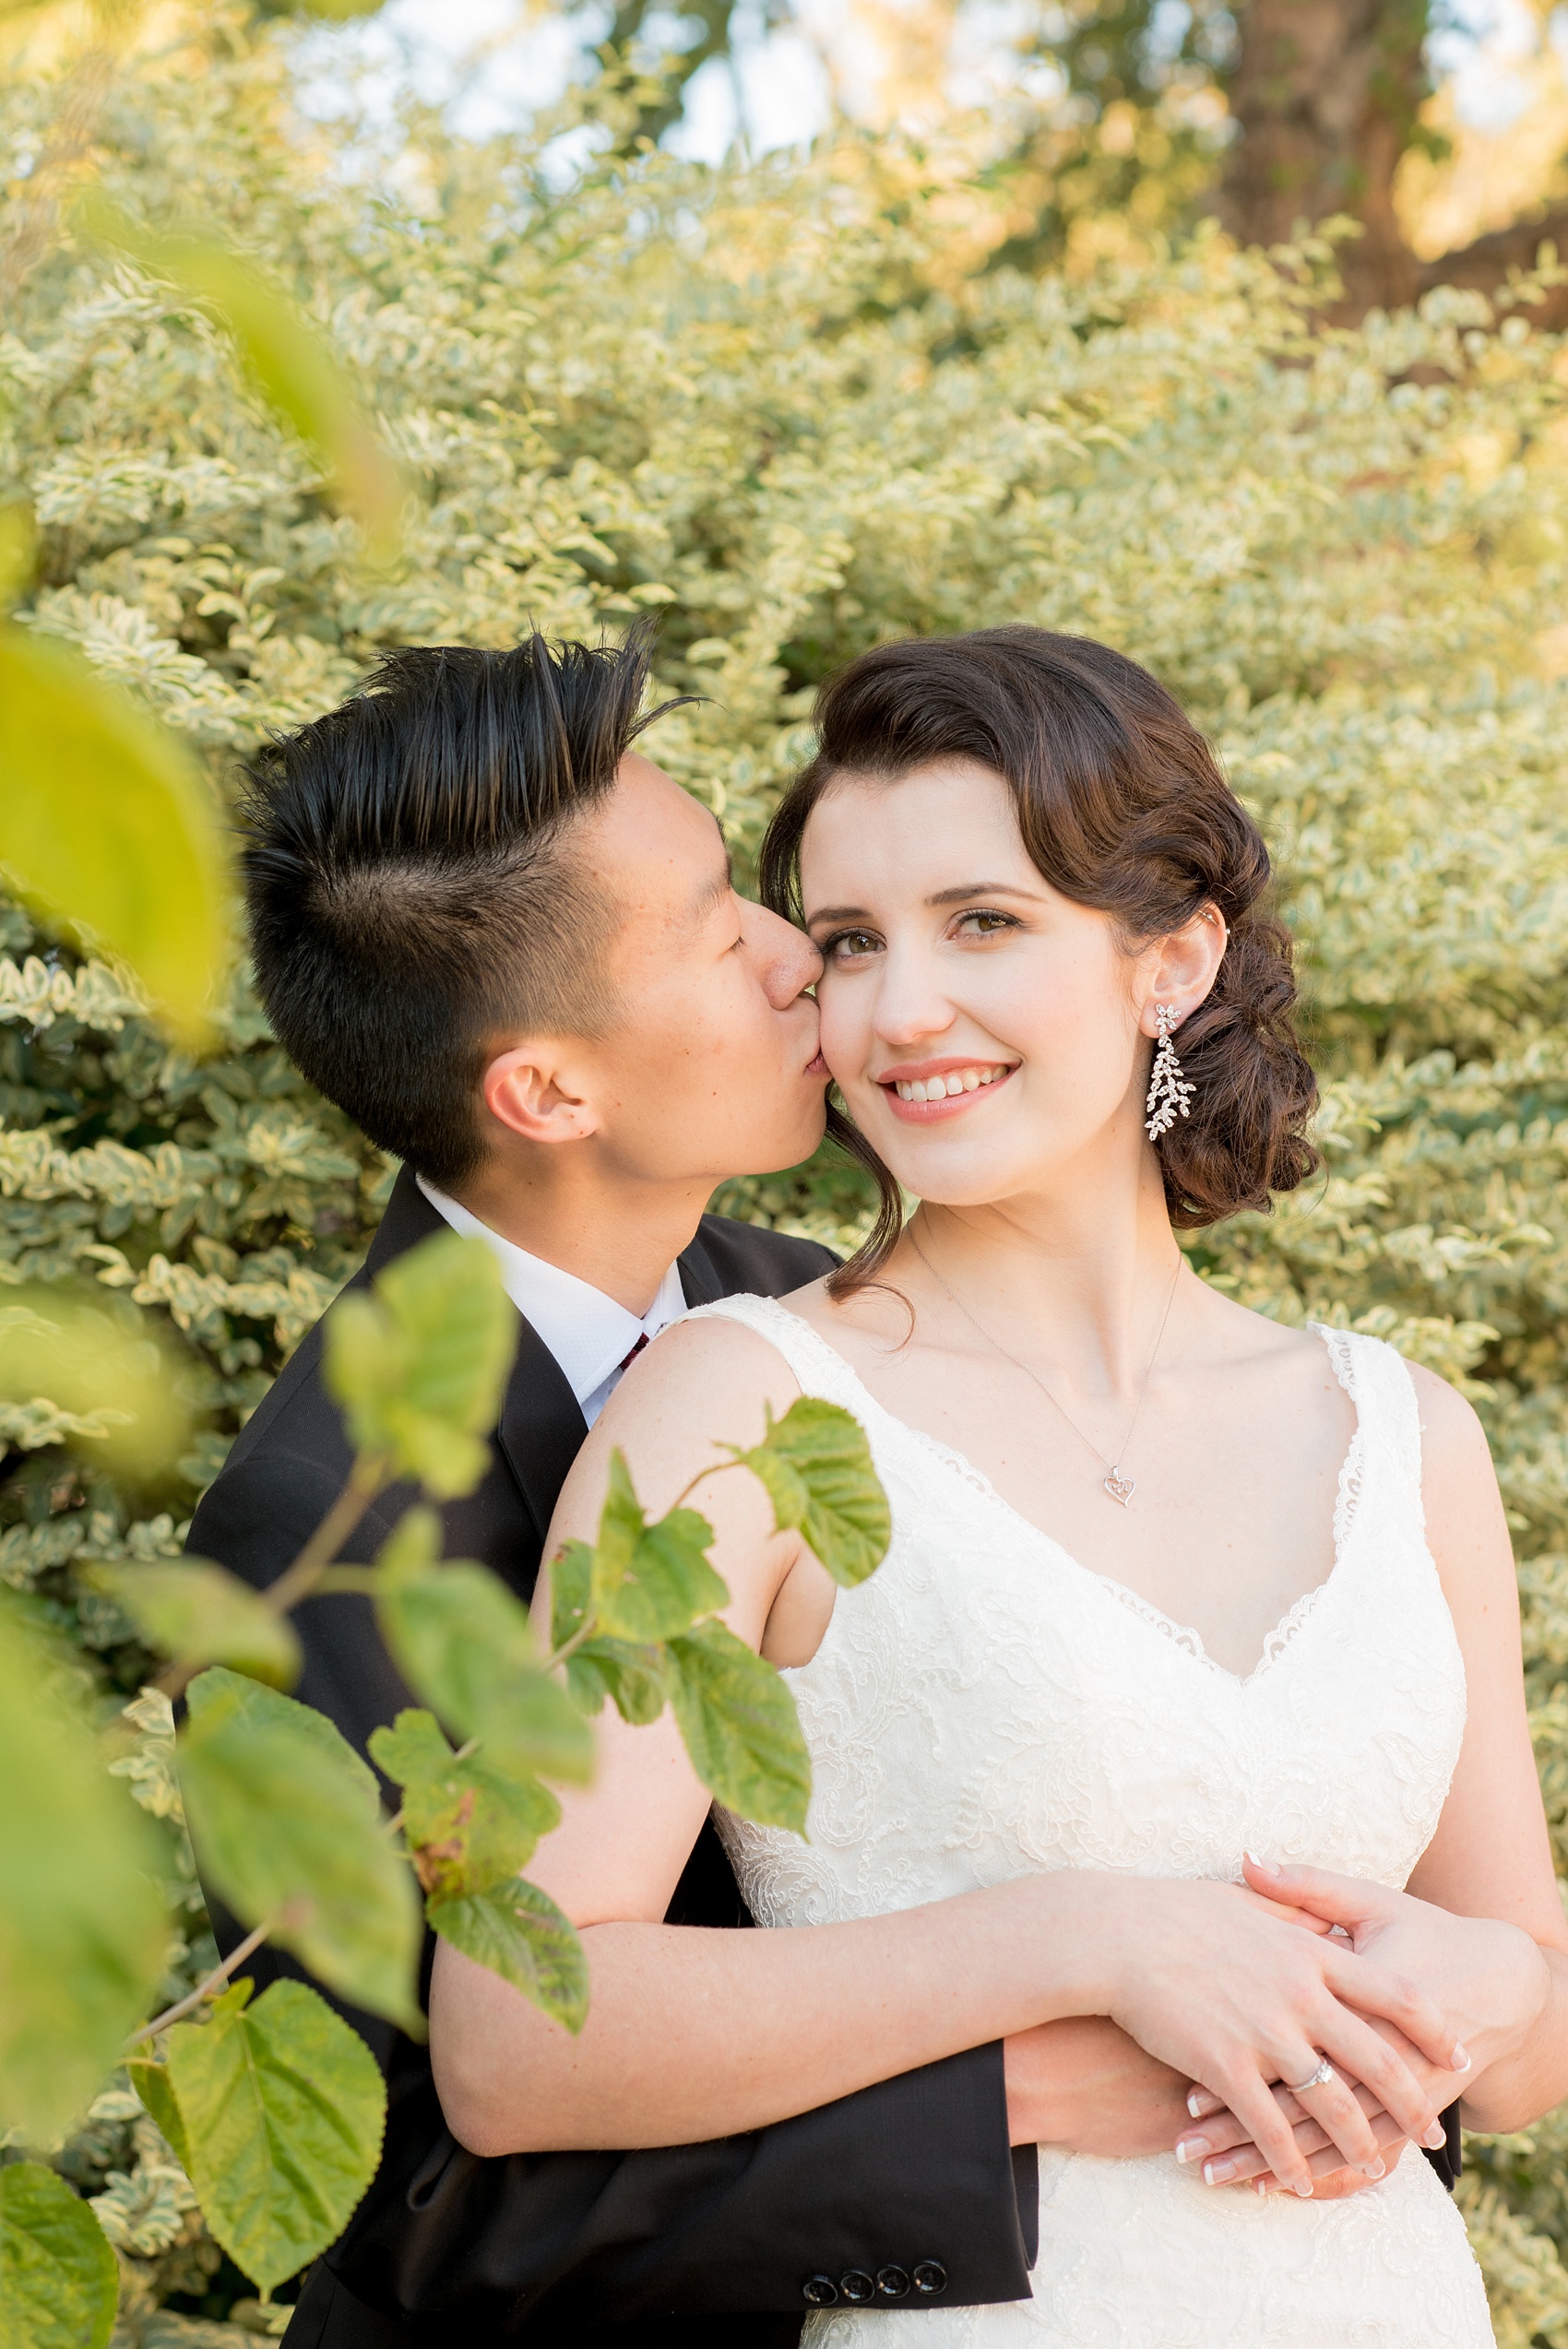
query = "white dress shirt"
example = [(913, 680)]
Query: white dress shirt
[(588, 1333)]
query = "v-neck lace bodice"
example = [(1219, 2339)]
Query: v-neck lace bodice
[(986, 1705)]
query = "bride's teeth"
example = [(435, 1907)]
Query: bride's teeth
[(905, 1090), (954, 1085), (917, 1090), (971, 1080)]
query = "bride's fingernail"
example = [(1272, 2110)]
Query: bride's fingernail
[(1460, 2060), (1436, 2136), (1218, 2173), (1303, 2187), (1263, 1866), (1193, 2149), (1192, 2096), (1376, 2167)]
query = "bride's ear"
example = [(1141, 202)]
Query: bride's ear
[(529, 1091), (1181, 968)]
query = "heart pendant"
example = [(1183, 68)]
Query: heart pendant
[(1118, 1488)]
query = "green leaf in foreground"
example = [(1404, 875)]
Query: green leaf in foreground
[(651, 1582), (111, 1380), (151, 2082), (58, 2281), (466, 1824), (198, 1613), (82, 1928), (283, 2108), (632, 1677), (463, 1642), (741, 1727), (518, 1932), (817, 1467), (285, 359), (107, 825), (286, 1820), (420, 1361)]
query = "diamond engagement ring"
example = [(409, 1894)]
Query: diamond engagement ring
[(1323, 2077)]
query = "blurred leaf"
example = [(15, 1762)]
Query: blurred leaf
[(59, 2283), (571, 1591), (633, 1678), (286, 1821), (107, 826), (18, 551), (198, 1613), (519, 1933), (151, 2082), (741, 1727), (71, 1370), (420, 1362), (462, 1642), (82, 1931), (284, 357), (817, 1467), (468, 1824), (284, 2109), (650, 1581)]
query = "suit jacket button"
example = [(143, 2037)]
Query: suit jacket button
[(855, 2284), (892, 2284), (819, 2291), (930, 2277)]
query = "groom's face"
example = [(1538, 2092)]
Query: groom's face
[(711, 1067)]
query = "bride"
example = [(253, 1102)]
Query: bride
[(1195, 1628)]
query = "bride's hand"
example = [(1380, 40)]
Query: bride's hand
[(1239, 1998), (1492, 1979)]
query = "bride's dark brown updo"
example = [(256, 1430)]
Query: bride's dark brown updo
[(1122, 806)]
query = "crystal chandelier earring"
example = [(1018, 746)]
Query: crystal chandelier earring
[(1169, 1092)]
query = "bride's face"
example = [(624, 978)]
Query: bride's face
[(985, 1030)]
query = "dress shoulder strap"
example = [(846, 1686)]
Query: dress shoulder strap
[(819, 1368), (1387, 1449)]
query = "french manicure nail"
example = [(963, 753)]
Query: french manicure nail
[(1264, 1867), (1461, 2061), (1193, 2149), (1436, 2136), (1303, 2187), (1192, 2096), (1376, 2167), (1218, 2173)]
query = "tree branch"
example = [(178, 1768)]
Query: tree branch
[(204, 1991)]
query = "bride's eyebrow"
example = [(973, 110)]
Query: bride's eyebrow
[(984, 889)]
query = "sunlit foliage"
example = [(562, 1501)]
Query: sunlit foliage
[(772, 407)]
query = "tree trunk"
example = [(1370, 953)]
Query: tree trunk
[(1325, 96)]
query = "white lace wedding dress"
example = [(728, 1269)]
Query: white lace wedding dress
[(984, 1704)]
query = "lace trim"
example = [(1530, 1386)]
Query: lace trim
[(831, 1367)]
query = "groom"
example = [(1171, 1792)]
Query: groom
[(507, 946)]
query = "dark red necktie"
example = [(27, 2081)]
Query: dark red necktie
[(635, 1351)]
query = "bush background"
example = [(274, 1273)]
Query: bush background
[(787, 409)]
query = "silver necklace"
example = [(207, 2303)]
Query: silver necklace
[(1120, 1488)]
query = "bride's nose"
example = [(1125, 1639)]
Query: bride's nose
[(911, 1007)]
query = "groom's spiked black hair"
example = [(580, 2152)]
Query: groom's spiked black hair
[(411, 893)]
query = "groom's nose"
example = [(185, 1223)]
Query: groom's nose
[(786, 959)]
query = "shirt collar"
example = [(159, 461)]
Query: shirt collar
[(590, 1334)]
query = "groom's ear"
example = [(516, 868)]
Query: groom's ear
[(529, 1090)]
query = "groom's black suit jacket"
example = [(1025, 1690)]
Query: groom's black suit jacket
[(720, 2240)]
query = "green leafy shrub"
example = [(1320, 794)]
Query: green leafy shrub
[(761, 403)]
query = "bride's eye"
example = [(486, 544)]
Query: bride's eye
[(847, 946), (984, 923)]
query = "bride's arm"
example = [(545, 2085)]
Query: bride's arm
[(1482, 1926), (694, 2035)]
